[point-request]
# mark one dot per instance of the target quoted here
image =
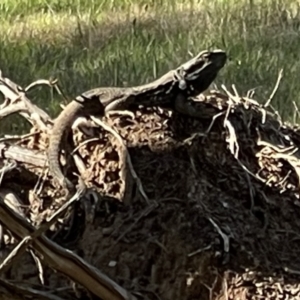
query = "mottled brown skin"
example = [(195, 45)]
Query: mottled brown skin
[(170, 90)]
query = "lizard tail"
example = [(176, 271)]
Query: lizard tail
[(61, 125)]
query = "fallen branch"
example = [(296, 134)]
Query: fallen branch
[(63, 260), (18, 102), (23, 155)]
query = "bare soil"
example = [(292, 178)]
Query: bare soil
[(222, 220)]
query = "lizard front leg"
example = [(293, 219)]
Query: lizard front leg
[(186, 107)]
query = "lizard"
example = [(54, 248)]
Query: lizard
[(170, 91)]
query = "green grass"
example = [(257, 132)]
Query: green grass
[(87, 44)]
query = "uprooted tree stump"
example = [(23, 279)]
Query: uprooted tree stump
[(213, 210)]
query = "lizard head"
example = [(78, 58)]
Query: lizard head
[(197, 74)]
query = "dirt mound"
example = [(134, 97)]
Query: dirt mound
[(212, 213)]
